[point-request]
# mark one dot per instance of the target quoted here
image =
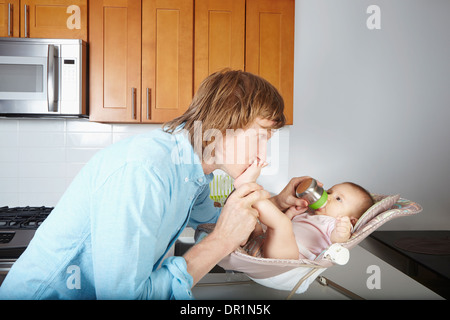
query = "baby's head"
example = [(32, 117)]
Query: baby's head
[(347, 199)]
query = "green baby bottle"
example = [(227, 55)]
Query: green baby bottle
[(310, 191)]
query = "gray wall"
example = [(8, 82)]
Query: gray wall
[(373, 106)]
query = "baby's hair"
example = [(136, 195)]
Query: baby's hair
[(368, 200)]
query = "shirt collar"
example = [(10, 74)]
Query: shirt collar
[(184, 156)]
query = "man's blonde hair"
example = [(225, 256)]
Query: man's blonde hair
[(231, 100)]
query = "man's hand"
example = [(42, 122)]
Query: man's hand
[(238, 218), (287, 198), (235, 224)]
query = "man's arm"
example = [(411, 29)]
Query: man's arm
[(202, 257), (236, 222)]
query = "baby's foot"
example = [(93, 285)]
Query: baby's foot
[(251, 174)]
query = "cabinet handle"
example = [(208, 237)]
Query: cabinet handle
[(133, 103), (9, 19), (149, 96), (26, 21)]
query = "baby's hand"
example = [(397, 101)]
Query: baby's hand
[(342, 230), (251, 174)]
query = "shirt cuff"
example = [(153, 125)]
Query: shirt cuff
[(182, 281)]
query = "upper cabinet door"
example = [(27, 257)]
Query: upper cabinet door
[(148, 57), (219, 37), (115, 60), (270, 45), (65, 19), (167, 58), (9, 18)]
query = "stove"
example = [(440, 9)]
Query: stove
[(17, 228)]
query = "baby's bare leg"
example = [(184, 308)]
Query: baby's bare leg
[(280, 240)]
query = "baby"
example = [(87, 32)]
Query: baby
[(291, 235)]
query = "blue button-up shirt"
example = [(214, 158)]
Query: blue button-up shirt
[(108, 234)]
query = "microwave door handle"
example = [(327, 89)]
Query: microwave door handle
[(51, 80)]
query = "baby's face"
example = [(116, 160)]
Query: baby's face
[(343, 200)]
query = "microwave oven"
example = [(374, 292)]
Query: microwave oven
[(43, 77)]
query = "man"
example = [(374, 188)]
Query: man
[(108, 235)]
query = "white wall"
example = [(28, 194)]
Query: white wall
[(373, 106)]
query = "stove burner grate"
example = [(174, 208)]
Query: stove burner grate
[(23, 217)]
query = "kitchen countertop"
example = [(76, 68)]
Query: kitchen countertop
[(423, 255), (393, 284)]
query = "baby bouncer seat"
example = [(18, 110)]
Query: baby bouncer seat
[(296, 275)]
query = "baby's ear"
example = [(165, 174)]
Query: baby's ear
[(353, 220)]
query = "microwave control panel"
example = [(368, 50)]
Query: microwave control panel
[(69, 79)]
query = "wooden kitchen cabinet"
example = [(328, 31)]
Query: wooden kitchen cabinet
[(219, 37), (270, 46), (49, 19), (115, 60), (148, 57), (141, 70), (265, 28), (44, 19), (167, 55), (9, 18)]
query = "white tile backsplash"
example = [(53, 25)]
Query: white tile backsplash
[(10, 154), (42, 184), (40, 157), (80, 155), (9, 185), (9, 126), (89, 140), (9, 169), (86, 126), (41, 154), (41, 125), (42, 170), (8, 139), (41, 139)]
